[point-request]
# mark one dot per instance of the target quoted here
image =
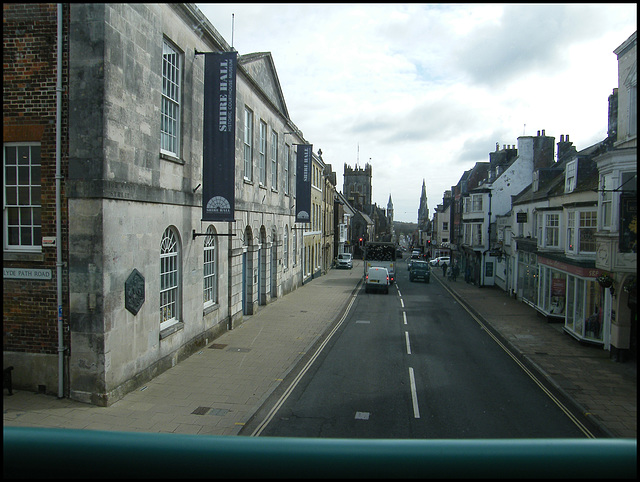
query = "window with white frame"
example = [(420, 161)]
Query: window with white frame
[(633, 109), (476, 203), (285, 247), (294, 173), (210, 286), (287, 166), (22, 197), (295, 246), (571, 230), (539, 227), (477, 234), (552, 230), (606, 200), (170, 109), (248, 143), (536, 181), (587, 227), (274, 160), (262, 153), (570, 176), (169, 279)]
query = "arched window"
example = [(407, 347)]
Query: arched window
[(295, 246), (210, 285), (169, 279)]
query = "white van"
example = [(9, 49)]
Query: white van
[(344, 261), (377, 279)]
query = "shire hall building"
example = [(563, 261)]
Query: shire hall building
[(157, 193)]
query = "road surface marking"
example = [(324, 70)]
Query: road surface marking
[(414, 394), (406, 336), (404, 315)]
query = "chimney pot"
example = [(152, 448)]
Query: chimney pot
[(543, 132), (566, 138), (561, 137)]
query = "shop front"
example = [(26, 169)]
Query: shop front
[(572, 294), (527, 287)]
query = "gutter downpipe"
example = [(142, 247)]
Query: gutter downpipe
[(58, 208)]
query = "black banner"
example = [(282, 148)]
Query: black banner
[(303, 183), (219, 136)]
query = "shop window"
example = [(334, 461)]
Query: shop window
[(594, 303)]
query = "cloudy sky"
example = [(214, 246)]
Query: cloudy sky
[(424, 91)]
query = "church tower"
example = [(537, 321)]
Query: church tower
[(390, 210), (357, 187)]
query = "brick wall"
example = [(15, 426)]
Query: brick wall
[(29, 115)]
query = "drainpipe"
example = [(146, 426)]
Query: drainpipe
[(58, 208)]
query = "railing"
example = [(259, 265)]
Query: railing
[(41, 452)]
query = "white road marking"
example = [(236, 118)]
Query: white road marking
[(414, 394), (404, 315), (406, 336)]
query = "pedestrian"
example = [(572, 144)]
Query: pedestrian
[(444, 269), (456, 270)]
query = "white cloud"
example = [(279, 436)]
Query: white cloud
[(423, 91)]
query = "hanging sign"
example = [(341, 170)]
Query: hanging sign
[(219, 136), (303, 183)]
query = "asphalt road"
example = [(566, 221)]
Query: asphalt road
[(415, 364)]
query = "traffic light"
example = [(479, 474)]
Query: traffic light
[(361, 240)]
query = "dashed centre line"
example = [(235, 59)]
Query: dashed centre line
[(406, 337), (414, 394)]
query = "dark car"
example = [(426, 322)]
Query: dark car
[(420, 270)]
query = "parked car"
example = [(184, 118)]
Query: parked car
[(377, 279), (439, 261), (420, 270), (344, 260)]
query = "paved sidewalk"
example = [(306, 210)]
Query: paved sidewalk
[(217, 390)]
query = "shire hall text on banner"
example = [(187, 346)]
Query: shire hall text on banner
[(218, 153)]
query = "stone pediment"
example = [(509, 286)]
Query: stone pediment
[(261, 68)]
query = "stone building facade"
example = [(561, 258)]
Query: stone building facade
[(148, 281)]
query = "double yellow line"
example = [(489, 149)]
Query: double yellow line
[(304, 370), (555, 400)]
